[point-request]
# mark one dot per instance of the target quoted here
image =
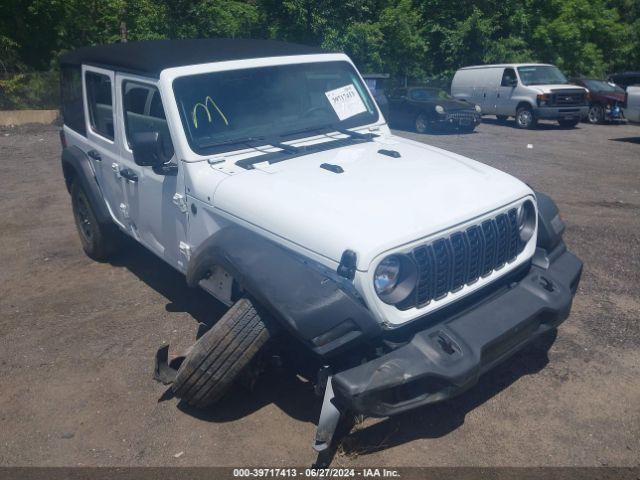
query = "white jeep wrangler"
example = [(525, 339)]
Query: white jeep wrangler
[(265, 172)]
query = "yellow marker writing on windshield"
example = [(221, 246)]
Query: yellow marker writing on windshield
[(205, 105)]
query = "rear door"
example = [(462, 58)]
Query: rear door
[(490, 79), (102, 137)]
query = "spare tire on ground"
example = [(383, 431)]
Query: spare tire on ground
[(217, 358)]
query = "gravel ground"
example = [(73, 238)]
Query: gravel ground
[(78, 337)]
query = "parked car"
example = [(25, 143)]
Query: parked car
[(605, 100), (528, 92), (377, 86), (631, 106), (429, 109), (389, 273), (625, 79)]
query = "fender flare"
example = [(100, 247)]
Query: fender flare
[(550, 225), (76, 166), (309, 299)]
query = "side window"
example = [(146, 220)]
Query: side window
[(509, 78), (99, 103), (143, 110), (71, 98)]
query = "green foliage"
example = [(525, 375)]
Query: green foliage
[(414, 39), (35, 90)]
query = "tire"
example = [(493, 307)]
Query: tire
[(99, 241), (569, 123), (502, 118), (421, 123), (596, 114), (217, 358), (525, 118)]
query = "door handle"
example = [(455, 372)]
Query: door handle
[(498, 95), (95, 155), (129, 175)]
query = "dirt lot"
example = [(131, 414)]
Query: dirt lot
[(77, 338)]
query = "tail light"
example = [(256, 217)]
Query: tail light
[(63, 139)]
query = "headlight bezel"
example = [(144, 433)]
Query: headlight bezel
[(439, 109), (405, 283), (526, 217)]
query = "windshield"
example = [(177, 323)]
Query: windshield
[(424, 94), (222, 108), (541, 75), (600, 86)]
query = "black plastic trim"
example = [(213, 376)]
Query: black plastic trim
[(550, 225), (76, 166), (447, 358), (306, 297)]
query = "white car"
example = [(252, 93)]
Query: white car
[(528, 92), (390, 272), (631, 109)]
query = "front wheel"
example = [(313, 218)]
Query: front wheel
[(217, 358), (525, 118), (569, 123), (596, 114)]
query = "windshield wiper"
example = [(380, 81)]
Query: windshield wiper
[(331, 127), (252, 140)]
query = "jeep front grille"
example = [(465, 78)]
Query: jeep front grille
[(448, 264)]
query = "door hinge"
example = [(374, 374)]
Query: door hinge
[(185, 250), (124, 209), (180, 202)]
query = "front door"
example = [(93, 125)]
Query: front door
[(156, 221), (102, 145), (505, 104)]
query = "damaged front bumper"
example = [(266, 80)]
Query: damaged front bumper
[(447, 358)]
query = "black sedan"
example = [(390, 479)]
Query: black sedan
[(430, 109)]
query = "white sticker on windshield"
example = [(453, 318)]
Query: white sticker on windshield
[(345, 101)]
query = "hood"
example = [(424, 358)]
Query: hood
[(449, 105), (561, 86), (376, 204), (608, 96)]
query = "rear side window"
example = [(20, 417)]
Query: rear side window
[(71, 98), (100, 103)]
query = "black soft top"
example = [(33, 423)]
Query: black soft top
[(152, 56)]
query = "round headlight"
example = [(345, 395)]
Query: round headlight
[(395, 278), (439, 109), (526, 220), (387, 275), (478, 109)]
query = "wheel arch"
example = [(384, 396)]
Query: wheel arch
[(309, 299), (524, 103), (76, 166)]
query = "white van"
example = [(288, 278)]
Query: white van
[(528, 92), (631, 108)]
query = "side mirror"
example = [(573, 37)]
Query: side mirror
[(151, 149), (513, 82)]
